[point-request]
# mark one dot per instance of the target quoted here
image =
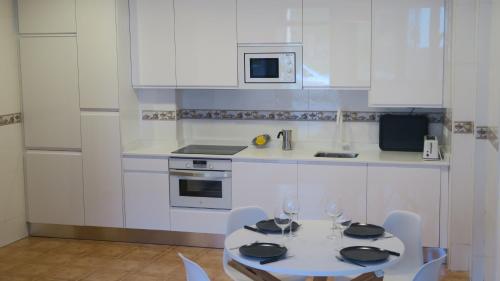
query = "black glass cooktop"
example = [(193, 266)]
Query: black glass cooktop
[(210, 149)]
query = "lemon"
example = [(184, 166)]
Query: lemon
[(261, 140)]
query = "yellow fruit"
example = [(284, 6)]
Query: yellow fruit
[(260, 140)]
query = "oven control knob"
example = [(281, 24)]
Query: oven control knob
[(210, 166), (188, 165)]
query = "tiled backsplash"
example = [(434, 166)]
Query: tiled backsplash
[(9, 119)]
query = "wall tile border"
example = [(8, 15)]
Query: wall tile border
[(9, 119), (493, 137), (482, 132), (276, 115), (463, 127), (448, 123)]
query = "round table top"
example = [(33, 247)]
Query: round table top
[(310, 252)]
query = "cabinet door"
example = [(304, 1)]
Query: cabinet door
[(406, 188), (407, 53), (263, 184), (344, 184), (49, 81), (264, 21), (97, 57), (147, 204), (54, 187), (46, 16), (205, 37), (337, 43), (152, 43), (102, 169)]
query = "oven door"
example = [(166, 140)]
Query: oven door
[(200, 189)]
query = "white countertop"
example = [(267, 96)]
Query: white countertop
[(368, 154)]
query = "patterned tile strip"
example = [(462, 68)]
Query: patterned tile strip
[(463, 127), (448, 123), (9, 119), (482, 132), (350, 116)]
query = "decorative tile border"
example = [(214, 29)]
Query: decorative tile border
[(482, 132), (159, 115), (9, 119), (349, 116), (463, 127), (448, 123)]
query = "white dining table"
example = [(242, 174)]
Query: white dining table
[(311, 253)]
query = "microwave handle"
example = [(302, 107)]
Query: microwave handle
[(200, 174)]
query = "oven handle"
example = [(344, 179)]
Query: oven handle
[(210, 175)]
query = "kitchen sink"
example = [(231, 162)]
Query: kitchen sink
[(337, 154)]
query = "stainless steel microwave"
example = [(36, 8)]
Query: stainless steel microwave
[(270, 67)]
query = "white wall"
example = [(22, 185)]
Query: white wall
[(12, 205)]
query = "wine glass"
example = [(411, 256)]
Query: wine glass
[(334, 212), (291, 206), (282, 220)]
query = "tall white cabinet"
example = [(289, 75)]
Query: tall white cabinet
[(205, 37), (264, 21), (152, 43), (407, 53), (337, 43), (46, 16), (97, 57), (49, 73)]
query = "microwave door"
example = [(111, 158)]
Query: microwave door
[(264, 68)]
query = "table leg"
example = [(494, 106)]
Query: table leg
[(252, 273)]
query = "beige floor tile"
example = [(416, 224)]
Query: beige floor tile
[(70, 272), (145, 253), (140, 277), (91, 261), (127, 265), (105, 275), (55, 259), (15, 278), (29, 269)]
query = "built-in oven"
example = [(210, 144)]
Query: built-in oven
[(270, 67), (200, 183)]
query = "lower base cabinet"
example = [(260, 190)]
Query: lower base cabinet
[(415, 189), (263, 184), (342, 183), (147, 203), (199, 220), (54, 187)]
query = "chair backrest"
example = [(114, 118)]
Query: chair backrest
[(194, 272), (240, 217), (407, 226), (431, 270)]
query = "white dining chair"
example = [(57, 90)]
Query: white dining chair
[(194, 272), (431, 270), (406, 226), (238, 218)]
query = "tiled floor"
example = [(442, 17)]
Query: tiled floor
[(45, 259)]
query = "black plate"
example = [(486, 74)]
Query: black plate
[(364, 254), (270, 226), (358, 230), (263, 250)]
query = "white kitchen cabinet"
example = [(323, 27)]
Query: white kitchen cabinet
[(415, 189), (264, 21), (54, 187), (343, 183), (46, 16), (147, 204), (49, 78), (337, 43), (102, 169), (407, 53), (199, 220), (206, 49), (152, 43), (97, 56), (263, 184)]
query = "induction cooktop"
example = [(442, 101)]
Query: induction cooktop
[(210, 149)]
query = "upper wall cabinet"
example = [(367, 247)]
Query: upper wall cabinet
[(46, 16), (49, 72), (264, 21), (97, 57), (205, 36), (337, 39), (407, 53), (152, 43)]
